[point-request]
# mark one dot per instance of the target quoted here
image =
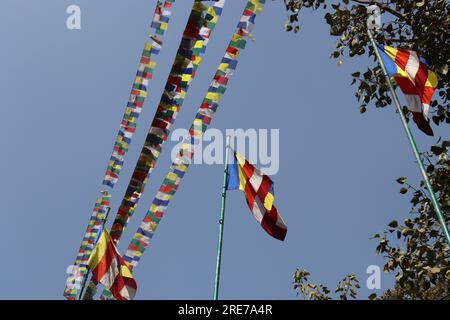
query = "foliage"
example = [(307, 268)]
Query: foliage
[(422, 262), (422, 265), (346, 288)]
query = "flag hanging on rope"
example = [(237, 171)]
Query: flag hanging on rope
[(109, 269), (259, 193), (202, 120), (139, 92), (90, 238), (416, 81), (194, 42)]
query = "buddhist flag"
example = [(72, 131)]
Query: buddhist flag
[(416, 81), (109, 269), (258, 190)]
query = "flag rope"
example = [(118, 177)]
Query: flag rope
[(202, 120), (139, 92), (196, 35)]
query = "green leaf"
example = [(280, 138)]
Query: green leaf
[(393, 224), (288, 28), (436, 150)]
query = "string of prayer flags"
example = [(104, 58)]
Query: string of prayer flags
[(109, 269), (133, 109), (138, 92), (205, 113), (259, 194), (95, 225), (91, 290), (196, 35), (415, 80)]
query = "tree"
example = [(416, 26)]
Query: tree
[(421, 263), (422, 267)]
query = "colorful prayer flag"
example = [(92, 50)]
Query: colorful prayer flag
[(259, 193), (109, 269), (416, 81)]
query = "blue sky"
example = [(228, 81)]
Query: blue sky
[(63, 94)]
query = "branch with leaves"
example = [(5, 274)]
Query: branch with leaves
[(346, 288), (422, 265)]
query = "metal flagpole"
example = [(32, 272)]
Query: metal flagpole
[(221, 221), (437, 208), (86, 276)]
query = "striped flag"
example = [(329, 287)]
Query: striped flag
[(258, 190), (109, 269), (416, 81)]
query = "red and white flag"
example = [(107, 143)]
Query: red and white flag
[(258, 190), (109, 269), (415, 79)]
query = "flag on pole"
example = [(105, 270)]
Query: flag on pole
[(416, 81), (109, 269), (258, 190)]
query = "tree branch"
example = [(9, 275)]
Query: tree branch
[(400, 40)]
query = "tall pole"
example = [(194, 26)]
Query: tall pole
[(437, 208), (83, 285), (221, 221)]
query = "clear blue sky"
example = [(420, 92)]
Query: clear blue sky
[(63, 94)]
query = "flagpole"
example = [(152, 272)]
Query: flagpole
[(221, 221), (86, 276), (411, 140)]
